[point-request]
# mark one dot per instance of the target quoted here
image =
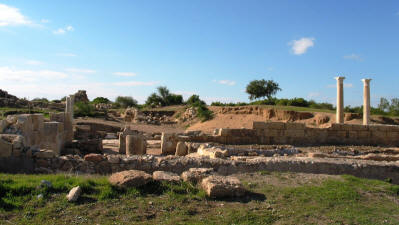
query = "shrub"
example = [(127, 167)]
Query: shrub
[(84, 109), (202, 111), (173, 99), (40, 100), (125, 101), (99, 100), (154, 100), (163, 98)]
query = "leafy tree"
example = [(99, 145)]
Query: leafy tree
[(40, 100), (125, 101), (394, 106), (84, 109), (193, 99), (164, 98), (383, 105), (99, 100), (262, 89), (154, 100), (164, 93)]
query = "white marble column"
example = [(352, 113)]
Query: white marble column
[(366, 101), (340, 99)]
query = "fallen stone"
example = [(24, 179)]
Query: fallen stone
[(74, 194), (212, 152), (44, 154), (165, 176), (181, 149), (130, 178), (195, 175), (379, 157), (92, 157), (223, 186)]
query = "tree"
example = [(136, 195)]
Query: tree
[(164, 98), (154, 100), (99, 100), (383, 105), (125, 101), (262, 89)]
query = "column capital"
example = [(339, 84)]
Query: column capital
[(366, 81), (339, 78)]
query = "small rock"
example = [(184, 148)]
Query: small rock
[(195, 175), (74, 194)]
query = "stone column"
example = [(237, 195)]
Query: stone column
[(340, 100), (366, 101), (68, 120)]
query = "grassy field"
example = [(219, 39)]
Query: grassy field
[(275, 198)]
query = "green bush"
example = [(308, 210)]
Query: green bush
[(82, 109), (163, 98), (125, 101), (202, 111)]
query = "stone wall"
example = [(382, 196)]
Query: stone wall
[(299, 134)]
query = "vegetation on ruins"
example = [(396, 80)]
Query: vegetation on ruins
[(125, 101), (163, 97), (262, 89), (40, 100), (202, 110), (82, 109), (282, 198)]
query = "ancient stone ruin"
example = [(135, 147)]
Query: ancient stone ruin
[(34, 144)]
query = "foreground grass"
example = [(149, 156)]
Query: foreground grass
[(338, 200)]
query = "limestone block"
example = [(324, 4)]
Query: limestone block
[(5, 148), (393, 135), (275, 125), (165, 176), (295, 126), (168, 144), (135, 145), (224, 132), (181, 149), (295, 133), (359, 127), (274, 132), (363, 134), (122, 139), (378, 127), (44, 154), (37, 122), (3, 125), (220, 186), (353, 134), (259, 125), (53, 137)]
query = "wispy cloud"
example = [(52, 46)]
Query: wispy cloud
[(300, 46), (44, 21), (135, 83), (66, 54), (12, 74), (354, 57), (34, 63), (125, 74), (78, 70), (346, 85), (225, 82), (64, 30)]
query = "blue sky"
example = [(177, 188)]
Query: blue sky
[(211, 48)]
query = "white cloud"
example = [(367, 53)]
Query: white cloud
[(12, 74), (355, 57), (135, 83), (10, 16), (346, 85), (66, 54), (34, 62), (225, 82), (63, 30), (44, 21), (300, 46), (125, 74), (77, 70)]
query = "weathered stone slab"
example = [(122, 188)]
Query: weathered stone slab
[(135, 145), (221, 186)]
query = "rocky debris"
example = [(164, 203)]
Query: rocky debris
[(351, 116), (222, 186), (192, 147), (189, 114), (165, 176), (320, 119), (181, 149), (74, 194), (81, 96), (103, 106), (212, 152), (379, 157), (7, 100), (195, 175), (92, 157), (130, 178), (133, 115), (135, 145), (318, 155)]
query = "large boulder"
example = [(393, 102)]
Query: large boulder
[(195, 175), (181, 149), (165, 176), (81, 96), (130, 178), (222, 186)]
